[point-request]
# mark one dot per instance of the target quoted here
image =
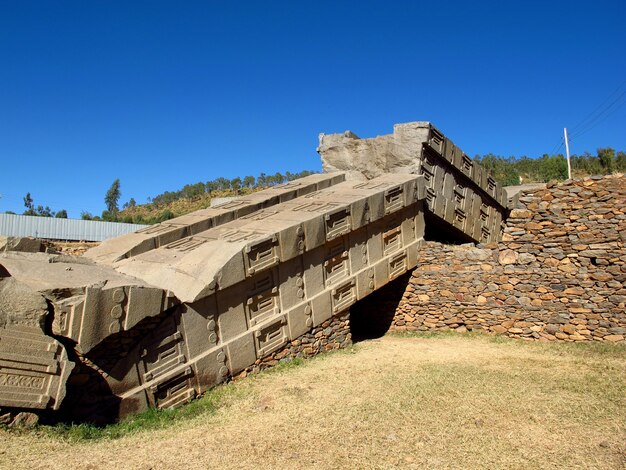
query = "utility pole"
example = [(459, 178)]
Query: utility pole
[(569, 165)]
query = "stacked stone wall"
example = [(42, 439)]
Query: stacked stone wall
[(558, 274)]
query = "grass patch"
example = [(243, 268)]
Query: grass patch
[(408, 400), (151, 419)]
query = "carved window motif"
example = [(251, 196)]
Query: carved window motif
[(397, 265), (491, 184), (290, 185), (429, 176), (371, 185), (394, 199), (459, 193), (263, 282), (262, 255), (435, 140), (343, 296), (392, 240), (233, 235), (484, 212), (429, 165), (485, 233), (259, 215), (314, 194), (164, 352), (173, 391), (429, 160), (186, 244), (430, 196), (336, 265), (230, 204), (270, 337), (459, 217), (337, 223), (157, 229), (316, 206), (262, 306), (466, 164)]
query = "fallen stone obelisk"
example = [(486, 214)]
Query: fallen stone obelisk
[(157, 317)]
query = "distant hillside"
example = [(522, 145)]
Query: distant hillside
[(197, 196), (153, 213), (506, 170), (509, 171)]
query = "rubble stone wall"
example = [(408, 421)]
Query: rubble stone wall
[(558, 274)]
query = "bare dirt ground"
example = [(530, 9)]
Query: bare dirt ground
[(398, 402), (70, 247)]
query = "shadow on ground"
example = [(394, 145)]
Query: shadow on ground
[(371, 317)]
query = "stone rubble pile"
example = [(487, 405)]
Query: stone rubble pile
[(559, 272)]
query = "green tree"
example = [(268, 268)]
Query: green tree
[(261, 180), (606, 156), (131, 203), (165, 215), (235, 184), (278, 178), (552, 168), (620, 161), (39, 210), (109, 216), (304, 173), (42, 211), (248, 181), (111, 199), (62, 214), (222, 183), (192, 191), (511, 178), (211, 186), (28, 203)]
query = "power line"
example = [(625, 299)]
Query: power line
[(583, 122), (607, 109), (557, 147), (606, 113), (601, 113)]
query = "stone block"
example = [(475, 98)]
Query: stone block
[(23, 244), (33, 369)]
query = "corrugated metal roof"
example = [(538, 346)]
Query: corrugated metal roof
[(62, 229)]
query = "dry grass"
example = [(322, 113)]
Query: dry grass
[(399, 402)]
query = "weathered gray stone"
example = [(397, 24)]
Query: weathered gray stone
[(5, 418), (24, 244), (20, 305), (506, 257), (25, 420), (459, 191), (157, 317), (156, 321), (34, 369), (526, 258)]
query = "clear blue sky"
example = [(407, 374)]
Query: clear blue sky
[(164, 93)]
